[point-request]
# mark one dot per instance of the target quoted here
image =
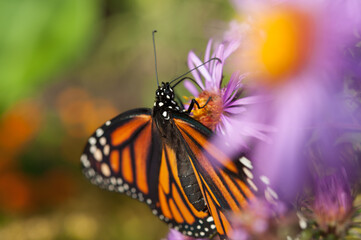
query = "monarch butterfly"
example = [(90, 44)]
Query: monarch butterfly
[(162, 157)]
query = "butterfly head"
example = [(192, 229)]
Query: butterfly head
[(164, 100)]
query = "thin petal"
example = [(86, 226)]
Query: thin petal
[(194, 61), (253, 130), (208, 53), (197, 62), (231, 47), (235, 110), (218, 68), (191, 88), (231, 86), (248, 100)]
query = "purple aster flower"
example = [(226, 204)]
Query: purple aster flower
[(333, 201), (175, 235), (223, 113), (297, 53), (329, 211), (261, 220)]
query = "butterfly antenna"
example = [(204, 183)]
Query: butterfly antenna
[(155, 57), (184, 78), (212, 59)]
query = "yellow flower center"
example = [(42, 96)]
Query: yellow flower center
[(281, 44), (210, 115)]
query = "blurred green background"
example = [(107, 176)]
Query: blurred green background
[(67, 66)]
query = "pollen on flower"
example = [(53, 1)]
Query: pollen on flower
[(210, 115)]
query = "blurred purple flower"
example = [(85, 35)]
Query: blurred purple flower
[(298, 54), (175, 235), (333, 202), (329, 212), (223, 113), (259, 220)]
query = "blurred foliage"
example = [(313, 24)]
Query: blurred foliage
[(38, 39), (67, 66)]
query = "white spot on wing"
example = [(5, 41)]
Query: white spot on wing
[(98, 155), (92, 149), (113, 180), (246, 162), (85, 161), (252, 184), (248, 173), (119, 181), (92, 141), (265, 180), (108, 123), (99, 132), (102, 141), (106, 150), (210, 219), (272, 193), (105, 169)]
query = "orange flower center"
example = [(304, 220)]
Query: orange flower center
[(210, 115)]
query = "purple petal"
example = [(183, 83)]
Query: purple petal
[(194, 61), (232, 46), (231, 86), (235, 110), (248, 100), (229, 101), (175, 235), (208, 53), (190, 61), (218, 69), (212, 63), (191, 88), (192, 57), (254, 130)]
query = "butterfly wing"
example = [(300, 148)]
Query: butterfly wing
[(127, 155), (226, 184)]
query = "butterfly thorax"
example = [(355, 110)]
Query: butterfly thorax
[(164, 101), (164, 106)]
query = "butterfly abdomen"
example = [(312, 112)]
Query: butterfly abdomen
[(186, 174), (189, 183)]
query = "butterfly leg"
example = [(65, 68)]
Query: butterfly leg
[(191, 106)]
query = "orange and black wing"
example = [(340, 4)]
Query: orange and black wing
[(226, 185), (127, 155)]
